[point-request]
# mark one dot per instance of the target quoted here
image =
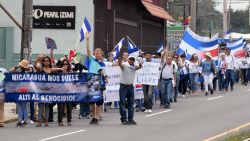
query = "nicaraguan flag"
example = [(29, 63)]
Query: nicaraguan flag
[(133, 50), (117, 49), (227, 37), (160, 48), (85, 28), (237, 47), (193, 43)]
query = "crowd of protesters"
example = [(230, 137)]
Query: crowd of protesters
[(178, 76)]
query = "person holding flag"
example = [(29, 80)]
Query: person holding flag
[(95, 67)]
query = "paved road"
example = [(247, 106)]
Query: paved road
[(191, 119)]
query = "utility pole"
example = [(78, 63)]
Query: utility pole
[(193, 14), (27, 20), (249, 12), (225, 21)]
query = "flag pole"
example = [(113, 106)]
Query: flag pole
[(117, 44), (78, 38), (131, 41)]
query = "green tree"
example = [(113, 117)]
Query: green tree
[(239, 21)]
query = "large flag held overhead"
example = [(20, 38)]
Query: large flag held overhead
[(227, 37), (133, 50), (117, 49), (193, 43), (237, 47), (85, 28)]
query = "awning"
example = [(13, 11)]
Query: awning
[(157, 11)]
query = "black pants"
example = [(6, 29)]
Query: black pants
[(148, 96), (60, 108), (51, 112), (244, 74), (183, 84), (215, 83)]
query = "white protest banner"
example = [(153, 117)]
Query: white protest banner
[(148, 75), (113, 85)]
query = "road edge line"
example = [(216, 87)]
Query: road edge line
[(227, 132)]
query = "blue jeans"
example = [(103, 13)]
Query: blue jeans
[(222, 81), (41, 108), (166, 91), (193, 77), (22, 111), (176, 92), (229, 78), (126, 92), (244, 74)]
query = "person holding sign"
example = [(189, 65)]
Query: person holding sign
[(2, 71), (66, 66), (127, 89), (22, 106), (94, 81), (48, 69), (148, 90)]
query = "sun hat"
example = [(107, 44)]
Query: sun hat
[(24, 64)]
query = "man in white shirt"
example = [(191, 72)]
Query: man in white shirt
[(230, 71), (126, 91), (168, 73)]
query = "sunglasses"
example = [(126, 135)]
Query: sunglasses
[(65, 64), (46, 61)]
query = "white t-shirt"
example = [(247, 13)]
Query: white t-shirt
[(193, 67), (230, 62)]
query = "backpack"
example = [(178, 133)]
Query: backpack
[(165, 64)]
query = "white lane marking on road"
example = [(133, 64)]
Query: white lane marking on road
[(70, 133), (215, 97), (158, 113)]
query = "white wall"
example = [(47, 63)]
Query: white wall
[(65, 39)]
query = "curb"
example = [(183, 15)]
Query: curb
[(10, 120)]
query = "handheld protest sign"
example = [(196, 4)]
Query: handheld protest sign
[(50, 43)]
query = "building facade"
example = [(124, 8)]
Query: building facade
[(65, 36), (143, 21)]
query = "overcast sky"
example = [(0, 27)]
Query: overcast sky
[(235, 5)]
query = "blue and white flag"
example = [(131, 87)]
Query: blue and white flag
[(133, 50), (227, 37), (85, 28), (236, 47), (117, 49), (193, 43), (160, 48)]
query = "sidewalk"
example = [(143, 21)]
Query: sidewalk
[(10, 112)]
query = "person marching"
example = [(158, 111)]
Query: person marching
[(208, 71), (22, 107), (167, 75), (127, 90), (94, 80)]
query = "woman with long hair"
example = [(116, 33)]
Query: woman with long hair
[(194, 72), (66, 66), (208, 71), (45, 68)]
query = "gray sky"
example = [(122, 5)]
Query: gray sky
[(236, 4)]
